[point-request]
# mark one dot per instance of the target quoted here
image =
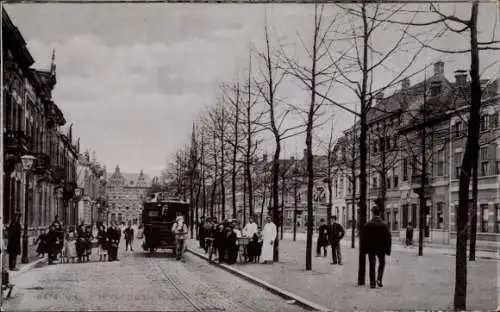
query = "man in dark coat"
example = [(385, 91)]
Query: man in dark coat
[(114, 235), (322, 238), (336, 233), (14, 241), (376, 242), (201, 232), (52, 238), (129, 237)]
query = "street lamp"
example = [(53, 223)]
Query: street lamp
[(27, 162)]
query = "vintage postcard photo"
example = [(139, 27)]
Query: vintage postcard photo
[(250, 156)]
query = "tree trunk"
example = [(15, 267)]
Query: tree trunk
[(423, 178), (470, 156), (354, 187), (295, 208), (249, 143), (275, 195), (362, 146), (282, 215), (222, 175), (244, 202), (262, 207), (235, 148), (473, 213)]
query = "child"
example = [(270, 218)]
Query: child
[(102, 238), (41, 250), (70, 247)]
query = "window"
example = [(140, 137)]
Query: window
[(388, 182), (484, 217), (483, 156), (414, 166), (497, 170), (382, 145), (396, 181), (494, 121), (497, 218), (439, 216), (458, 129), (405, 169), (435, 88), (483, 123), (395, 142), (404, 208), (415, 222), (375, 146), (458, 164), (374, 182), (440, 163), (388, 144), (395, 221)]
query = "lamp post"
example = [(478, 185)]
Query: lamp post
[(76, 196), (27, 162)]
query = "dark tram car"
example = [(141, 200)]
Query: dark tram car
[(158, 219)]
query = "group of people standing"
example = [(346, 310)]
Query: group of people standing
[(76, 244), (225, 239)]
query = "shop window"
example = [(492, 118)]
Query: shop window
[(405, 220)]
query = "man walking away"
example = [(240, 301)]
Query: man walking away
[(376, 242), (14, 241), (409, 235), (129, 237), (322, 238), (336, 234)]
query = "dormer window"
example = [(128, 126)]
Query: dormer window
[(435, 88)]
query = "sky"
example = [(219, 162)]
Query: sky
[(132, 78)]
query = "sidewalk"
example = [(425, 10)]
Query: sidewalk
[(410, 282), (487, 252)]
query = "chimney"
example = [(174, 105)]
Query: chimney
[(405, 83), (379, 97), (461, 77), (439, 68)]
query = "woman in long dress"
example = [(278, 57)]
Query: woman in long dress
[(268, 236)]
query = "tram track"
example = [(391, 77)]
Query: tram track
[(197, 307)]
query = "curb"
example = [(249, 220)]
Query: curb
[(276, 290), (497, 258), (25, 268)]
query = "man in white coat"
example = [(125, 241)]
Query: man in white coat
[(269, 234)]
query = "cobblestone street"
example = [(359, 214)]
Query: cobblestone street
[(141, 283)]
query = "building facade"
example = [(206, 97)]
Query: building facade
[(125, 195), (91, 177), (34, 125), (397, 155)]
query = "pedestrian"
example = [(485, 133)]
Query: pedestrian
[(70, 246), (14, 241), (80, 242), (322, 238), (129, 237), (59, 242), (250, 228), (201, 232), (336, 234), (375, 240), (52, 237), (114, 236), (87, 243), (409, 235), (102, 239), (6, 284), (180, 231), (41, 240), (254, 248), (231, 244), (220, 242), (269, 234)]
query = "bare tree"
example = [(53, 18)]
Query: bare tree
[(315, 76), (272, 76)]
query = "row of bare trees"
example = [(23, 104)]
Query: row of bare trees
[(347, 48)]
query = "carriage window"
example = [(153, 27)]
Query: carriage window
[(153, 213)]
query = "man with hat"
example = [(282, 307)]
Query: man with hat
[(14, 241), (180, 231), (375, 240)]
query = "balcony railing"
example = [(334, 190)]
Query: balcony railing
[(16, 142)]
